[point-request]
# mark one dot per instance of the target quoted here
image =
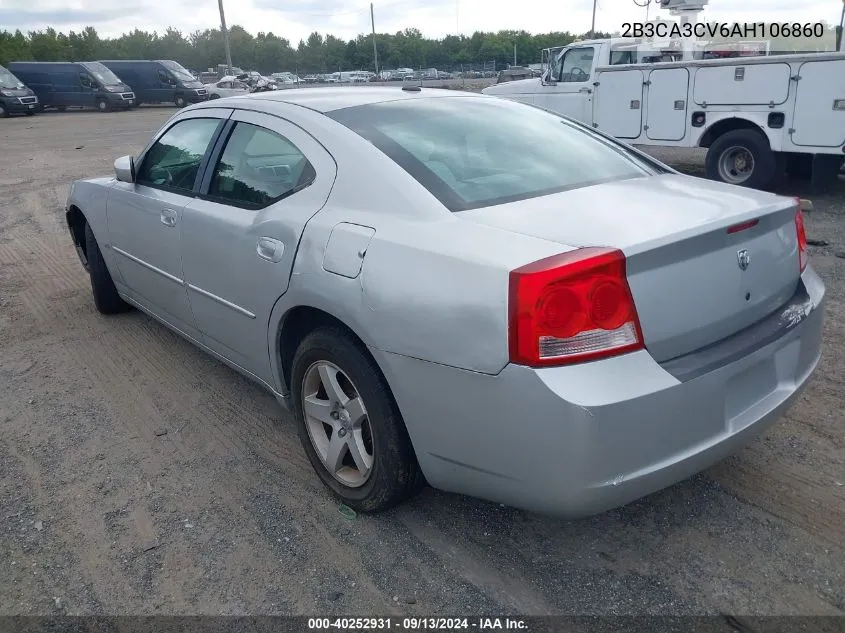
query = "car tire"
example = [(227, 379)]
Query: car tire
[(394, 475), (212, 97), (30, 113), (103, 105), (106, 298), (180, 101), (729, 156), (3, 112)]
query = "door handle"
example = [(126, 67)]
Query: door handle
[(586, 91), (270, 249), (168, 217)]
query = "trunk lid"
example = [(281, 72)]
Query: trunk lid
[(694, 282)]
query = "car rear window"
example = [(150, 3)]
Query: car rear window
[(473, 152)]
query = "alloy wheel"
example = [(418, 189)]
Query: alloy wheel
[(337, 423)]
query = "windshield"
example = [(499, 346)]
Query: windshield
[(9, 81), (178, 71), (473, 152), (102, 74)]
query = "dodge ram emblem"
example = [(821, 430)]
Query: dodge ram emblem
[(743, 258)]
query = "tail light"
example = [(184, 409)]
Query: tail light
[(572, 307), (803, 254)]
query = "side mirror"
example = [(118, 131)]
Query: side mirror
[(547, 80), (124, 169)]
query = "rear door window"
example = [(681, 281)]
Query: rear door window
[(259, 167)]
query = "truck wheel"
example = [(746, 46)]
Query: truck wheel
[(3, 113), (106, 298), (180, 101), (103, 105), (741, 157), (349, 424)]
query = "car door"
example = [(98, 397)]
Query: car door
[(164, 86), (570, 94), (145, 217), (265, 180), (86, 87)]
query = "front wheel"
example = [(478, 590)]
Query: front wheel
[(30, 113), (103, 105), (3, 112), (180, 101), (106, 298), (349, 425), (742, 157)]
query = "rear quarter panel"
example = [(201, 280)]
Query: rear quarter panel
[(432, 285)]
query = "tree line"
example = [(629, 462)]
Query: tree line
[(267, 52), (318, 53)]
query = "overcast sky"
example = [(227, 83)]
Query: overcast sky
[(295, 19)]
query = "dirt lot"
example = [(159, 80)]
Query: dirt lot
[(139, 476)]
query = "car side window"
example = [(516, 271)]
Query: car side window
[(162, 77), (174, 160), (577, 65), (85, 80), (259, 167)]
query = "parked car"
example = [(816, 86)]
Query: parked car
[(15, 97), (62, 85), (462, 290), (515, 73), (159, 81), (227, 87)]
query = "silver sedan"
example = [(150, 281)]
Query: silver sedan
[(462, 290)]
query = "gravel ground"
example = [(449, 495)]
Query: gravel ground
[(140, 476)]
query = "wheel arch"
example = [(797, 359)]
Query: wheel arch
[(76, 222), (730, 124), (296, 323)]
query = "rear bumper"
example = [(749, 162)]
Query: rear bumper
[(575, 441)]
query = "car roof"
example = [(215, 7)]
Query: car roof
[(330, 99)]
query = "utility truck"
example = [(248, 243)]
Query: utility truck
[(760, 117)]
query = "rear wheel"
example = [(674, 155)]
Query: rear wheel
[(106, 298), (349, 425), (742, 157)]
